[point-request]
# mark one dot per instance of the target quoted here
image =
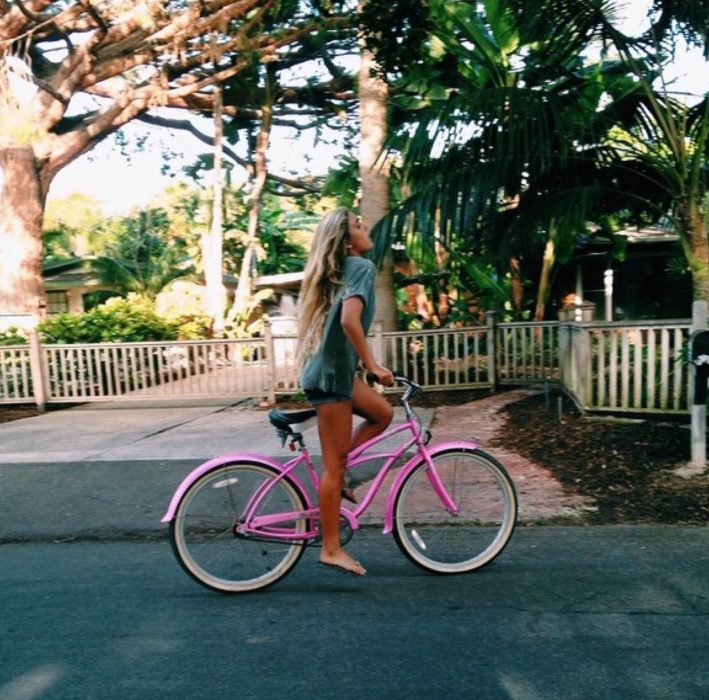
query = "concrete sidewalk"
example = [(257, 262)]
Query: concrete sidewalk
[(109, 470), (109, 432)]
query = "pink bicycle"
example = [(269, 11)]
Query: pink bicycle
[(241, 522)]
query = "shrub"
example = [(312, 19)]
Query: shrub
[(183, 302), (13, 336), (118, 320), (194, 327)]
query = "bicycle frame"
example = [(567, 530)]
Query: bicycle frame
[(266, 525)]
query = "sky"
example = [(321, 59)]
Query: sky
[(120, 182)]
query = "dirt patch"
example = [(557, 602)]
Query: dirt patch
[(626, 467), (9, 413)]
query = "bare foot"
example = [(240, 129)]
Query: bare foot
[(342, 560)]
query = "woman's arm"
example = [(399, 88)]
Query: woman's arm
[(351, 319)]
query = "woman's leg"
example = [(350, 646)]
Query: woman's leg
[(374, 408), (335, 430)]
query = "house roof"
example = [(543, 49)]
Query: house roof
[(286, 280), (71, 272), (645, 241), (649, 234)]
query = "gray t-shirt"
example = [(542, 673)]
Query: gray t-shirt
[(333, 366)]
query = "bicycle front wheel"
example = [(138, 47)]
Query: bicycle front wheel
[(204, 533), (470, 535)]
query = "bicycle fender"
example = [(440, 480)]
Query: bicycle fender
[(409, 467), (220, 461)]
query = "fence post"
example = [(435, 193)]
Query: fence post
[(564, 349), (585, 367), (699, 410), (37, 370), (491, 348), (378, 349), (270, 359), (575, 361)]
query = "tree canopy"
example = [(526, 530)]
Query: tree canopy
[(519, 124), (95, 66), (72, 73)]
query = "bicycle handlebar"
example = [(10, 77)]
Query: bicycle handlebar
[(412, 388)]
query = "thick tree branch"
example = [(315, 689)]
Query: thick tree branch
[(115, 45), (186, 125), (16, 20)]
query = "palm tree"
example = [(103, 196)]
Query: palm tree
[(524, 139), (373, 170), (139, 254)]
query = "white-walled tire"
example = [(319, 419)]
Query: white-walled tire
[(436, 540), (203, 532)]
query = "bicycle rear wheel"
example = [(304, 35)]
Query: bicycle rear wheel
[(484, 495), (205, 540)]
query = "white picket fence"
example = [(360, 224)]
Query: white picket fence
[(633, 367), (623, 367)]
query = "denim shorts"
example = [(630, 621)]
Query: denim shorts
[(316, 397)]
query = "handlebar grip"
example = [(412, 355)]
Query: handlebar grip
[(374, 379)]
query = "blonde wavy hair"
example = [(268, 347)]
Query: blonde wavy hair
[(322, 277)]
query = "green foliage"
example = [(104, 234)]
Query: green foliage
[(511, 135), (277, 248), (69, 224), (245, 322), (57, 244), (13, 336), (342, 182), (183, 303), (283, 226), (194, 327), (139, 253), (118, 320)]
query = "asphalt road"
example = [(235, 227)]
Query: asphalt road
[(565, 612)]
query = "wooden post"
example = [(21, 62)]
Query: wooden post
[(270, 360), (699, 412), (378, 349), (491, 349), (564, 348), (37, 370)]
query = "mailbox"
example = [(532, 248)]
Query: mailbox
[(699, 357)]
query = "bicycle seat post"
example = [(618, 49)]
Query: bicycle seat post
[(297, 442)]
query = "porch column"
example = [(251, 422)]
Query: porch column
[(578, 315), (75, 300), (608, 290)]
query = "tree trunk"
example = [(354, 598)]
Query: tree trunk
[(693, 222), (517, 286), (373, 96), (22, 201), (243, 290), (212, 241), (547, 264)]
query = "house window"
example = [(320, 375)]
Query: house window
[(57, 303)]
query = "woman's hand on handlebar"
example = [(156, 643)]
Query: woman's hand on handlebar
[(381, 375)]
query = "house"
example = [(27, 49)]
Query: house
[(627, 277), (73, 285), (70, 284)]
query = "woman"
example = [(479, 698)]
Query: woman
[(335, 311)]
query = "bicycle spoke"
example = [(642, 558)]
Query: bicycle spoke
[(204, 530), (438, 540)]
